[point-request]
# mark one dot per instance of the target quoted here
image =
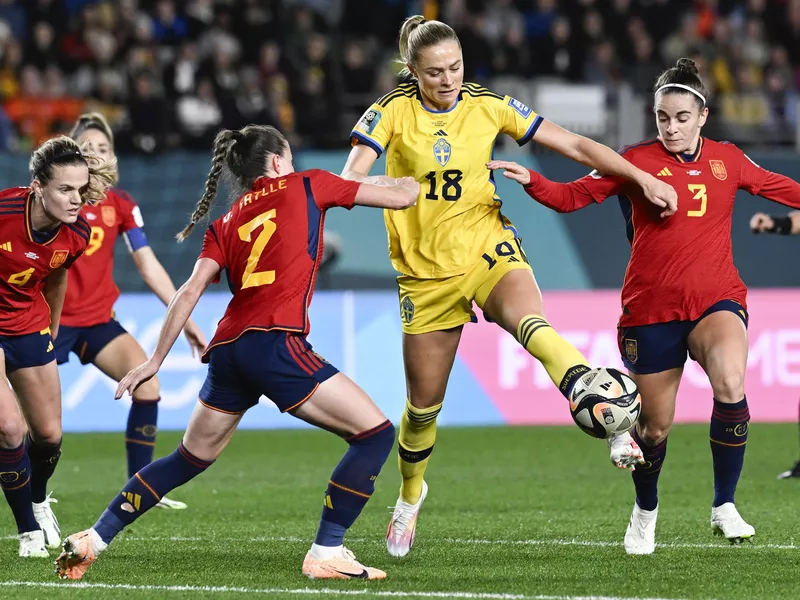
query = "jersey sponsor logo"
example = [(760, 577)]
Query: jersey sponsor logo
[(518, 106), (90, 216), (32, 255), (6, 246), (694, 172), (59, 258), (665, 172), (442, 151), (718, 169), (370, 120), (137, 216), (406, 309), (631, 350), (109, 214)]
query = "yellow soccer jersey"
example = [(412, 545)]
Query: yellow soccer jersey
[(446, 151)]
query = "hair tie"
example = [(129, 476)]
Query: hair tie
[(55, 158), (683, 87)]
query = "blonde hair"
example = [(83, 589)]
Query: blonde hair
[(416, 34), (62, 151), (94, 120), (241, 157)]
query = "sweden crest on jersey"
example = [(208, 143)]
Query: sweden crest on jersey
[(442, 151)]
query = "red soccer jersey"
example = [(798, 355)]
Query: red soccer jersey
[(91, 291), (26, 263), (270, 244), (683, 264)]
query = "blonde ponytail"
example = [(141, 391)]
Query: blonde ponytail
[(416, 34)]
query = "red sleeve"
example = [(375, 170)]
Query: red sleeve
[(212, 249), (772, 186), (331, 190), (129, 214), (71, 260), (569, 197)]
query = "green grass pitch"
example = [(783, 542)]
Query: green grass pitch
[(512, 513)]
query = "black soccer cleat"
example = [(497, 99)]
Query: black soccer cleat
[(793, 472)]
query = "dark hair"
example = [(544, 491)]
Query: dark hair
[(62, 151), (241, 158), (416, 34), (684, 73)]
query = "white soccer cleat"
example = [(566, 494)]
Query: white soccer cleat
[(31, 545), (171, 504), (403, 525), (625, 452), (726, 521), (640, 537), (47, 521)]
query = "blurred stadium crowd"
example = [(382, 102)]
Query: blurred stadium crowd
[(170, 73)]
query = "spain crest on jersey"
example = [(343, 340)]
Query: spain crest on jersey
[(442, 151), (59, 258), (109, 215), (631, 350), (718, 169)]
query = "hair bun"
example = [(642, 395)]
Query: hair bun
[(688, 65)]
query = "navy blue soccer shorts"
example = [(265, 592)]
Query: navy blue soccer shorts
[(31, 350), (280, 365), (86, 342), (659, 347)]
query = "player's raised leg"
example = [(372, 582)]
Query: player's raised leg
[(658, 392), (719, 343), (116, 358), (515, 303), (39, 391), (15, 467), (339, 405), (428, 359), (208, 433)]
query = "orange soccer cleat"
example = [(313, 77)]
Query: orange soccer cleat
[(341, 566)]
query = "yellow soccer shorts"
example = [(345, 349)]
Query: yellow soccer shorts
[(438, 304)]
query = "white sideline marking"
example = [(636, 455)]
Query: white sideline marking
[(462, 541), (303, 591)]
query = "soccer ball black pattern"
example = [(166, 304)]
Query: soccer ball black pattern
[(605, 402)]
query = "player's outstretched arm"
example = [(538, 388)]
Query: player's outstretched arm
[(55, 289), (358, 166), (561, 197), (606, 161), (782, 225), (181, 306), (403, 194), (157, 279)]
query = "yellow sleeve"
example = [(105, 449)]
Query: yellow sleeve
[(517, 120), (374, 128)]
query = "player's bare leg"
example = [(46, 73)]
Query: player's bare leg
[(515, 303), (428, 359), (39, 392), (719, 342), (658, 391), (340, 406), (116, 359), (207, 435), (15, 466)]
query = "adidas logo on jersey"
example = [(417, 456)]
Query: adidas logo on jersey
[(665, 172), (6, 246), (440, 133)]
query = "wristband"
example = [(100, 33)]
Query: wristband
[(782, 225)]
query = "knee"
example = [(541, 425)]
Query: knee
[(380, 441), (47, 436), (150, 390), (728, 386), (12, 431), (652, 433)]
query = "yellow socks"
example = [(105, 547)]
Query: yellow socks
[(561, 360), (417, 437)]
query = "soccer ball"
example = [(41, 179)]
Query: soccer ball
[(605, 402)]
